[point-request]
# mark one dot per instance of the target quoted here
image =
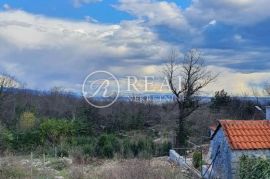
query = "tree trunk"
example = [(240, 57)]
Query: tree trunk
[(181, 133)]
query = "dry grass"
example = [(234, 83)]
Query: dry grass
[(12, 168), (137, 169), (156, 168)]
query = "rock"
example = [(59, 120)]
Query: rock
[(67, 160), (184, 171), (25, 162), (58, 177)]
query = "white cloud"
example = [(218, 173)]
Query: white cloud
[(232, 12), (235, 82), (44, 52), (238, 38), (232, 81), (155, 12), (90, 19), (6, 7), (211, 23), (78, 3)]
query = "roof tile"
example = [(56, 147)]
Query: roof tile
[(247, 134)]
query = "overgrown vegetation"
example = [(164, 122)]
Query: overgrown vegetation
[(253, 168), (57, 123), (60, 138), (62, 124)]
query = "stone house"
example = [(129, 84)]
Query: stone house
[(232, 139)]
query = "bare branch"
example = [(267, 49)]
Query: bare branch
[(195, 76)]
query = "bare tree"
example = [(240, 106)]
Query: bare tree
[(194, 76), (7, 102), (7, 81)]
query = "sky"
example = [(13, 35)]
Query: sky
[(52, 43)]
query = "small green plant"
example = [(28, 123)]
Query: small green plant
[(62, 153), (251, 167), (6, 138), (127, 152), (89, 150), (163, 149), (197, 159), (27, 140), (107, 146), (55, 130)]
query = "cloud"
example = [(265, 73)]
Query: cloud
[(203, 24), (90, 19), (63, 52), (46, 52), (247, 60), (166, 19), (155, 12), (78, 3), (230, 12), (6, 7), (235, 82)]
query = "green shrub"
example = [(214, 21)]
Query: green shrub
[(6, 138), (142, 147), (27, 140), (145, 148), (253, 168), (62, 153), (89, 150), (84, 140), (107, 145), (163, 149), (54, 130), (107, 151), (221, 99), (127, 151), (197, 159)]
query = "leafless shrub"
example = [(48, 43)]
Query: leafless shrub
[(76, 172)]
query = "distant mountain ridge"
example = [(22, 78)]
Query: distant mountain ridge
[(154, 97)]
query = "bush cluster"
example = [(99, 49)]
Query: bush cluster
[(197, 159), (253, 168), (61, 137), (108, 145)]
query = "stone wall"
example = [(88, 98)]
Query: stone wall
[(222, 164)]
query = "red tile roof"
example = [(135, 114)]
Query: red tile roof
[(246, 134)]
